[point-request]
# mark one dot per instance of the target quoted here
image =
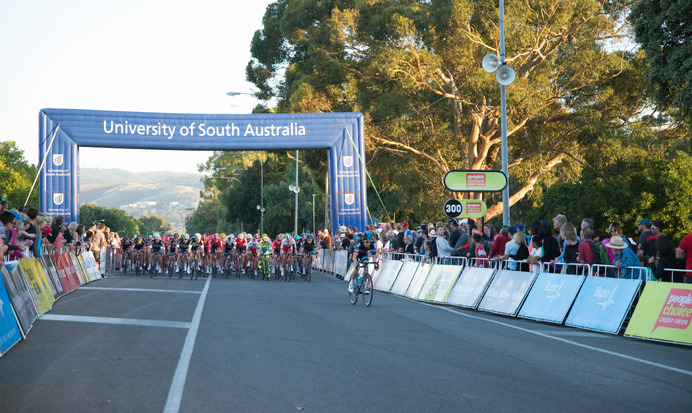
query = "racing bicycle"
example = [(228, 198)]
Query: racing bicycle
[(362, 285)]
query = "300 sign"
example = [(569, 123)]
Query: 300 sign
[(453, 208)]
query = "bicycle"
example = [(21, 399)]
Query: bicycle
[(363, 285), (308, 269), (263, 267)]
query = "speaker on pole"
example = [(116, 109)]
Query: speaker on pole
[(505, 75), (491, 62)]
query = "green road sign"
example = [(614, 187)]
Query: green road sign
[(466, 180), (473, 208)]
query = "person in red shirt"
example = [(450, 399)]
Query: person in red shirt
[(685, 251), (499, 242), (479, 251)]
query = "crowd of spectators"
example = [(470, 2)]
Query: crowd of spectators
[(26, 233), (560, 246)]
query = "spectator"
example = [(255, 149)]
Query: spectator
[(32, 231), (684, 251), (432, 249), (586, 252), (587, 223), (379, 245), (459, 239), (570, 253), (400, 237), (345, 242), (558, 222), (522, 230), (625, 258), (499, 243), (646, 245), (511, 249), (488, 235), (479, 251), (522, 252), (536, 253), (665, 258), (443, 247), (551, 248), (420, 241), (408, 245)]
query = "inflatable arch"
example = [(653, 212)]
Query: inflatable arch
[(63, 131)]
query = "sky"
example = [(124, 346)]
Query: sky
[(146, 55)]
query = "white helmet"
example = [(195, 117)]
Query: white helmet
[(198, 235)]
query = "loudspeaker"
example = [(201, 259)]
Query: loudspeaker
[(505, 75), (491, 62)]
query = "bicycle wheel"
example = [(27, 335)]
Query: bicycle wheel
[(308, 269), (366, 289), (353, 295)]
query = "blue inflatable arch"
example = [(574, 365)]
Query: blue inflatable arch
[(63, 131)]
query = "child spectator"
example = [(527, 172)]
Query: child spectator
[(479, 251)]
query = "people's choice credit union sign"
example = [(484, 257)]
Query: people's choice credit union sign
[(466, 180)]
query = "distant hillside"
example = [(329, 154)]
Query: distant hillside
[(169, 194)]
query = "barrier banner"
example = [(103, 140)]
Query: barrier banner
[(375, 273), (603, 303), (20, 297), (349, 273), (38, 291), (9, 329), (53, 276), (440, 282), (340, 262), (551, 297), (419, 280), (388, 275), (90, 266), (663, 312), (45, 278), (507, 291), (83, 279), (408, 270), (317, 261), (471, 286), (70, 282)]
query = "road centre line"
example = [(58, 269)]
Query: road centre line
[(145, 290), (612, 353), (112, 320), (175, 394)]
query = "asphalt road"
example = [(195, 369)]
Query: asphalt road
[(122, 345)]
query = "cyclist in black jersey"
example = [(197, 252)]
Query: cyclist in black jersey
[(197, 250), (172, 251), (184, 252), (157, 249), (139, 250), (364, 247), (307, 248)]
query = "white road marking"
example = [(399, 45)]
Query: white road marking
[(612, 353), (112, 320), (146, 290), (175, 394)]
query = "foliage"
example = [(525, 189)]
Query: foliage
[(154, 223), (664, 30), (115, 219), (17, 175), (413, 68)]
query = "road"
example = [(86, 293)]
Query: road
[(126, 344)]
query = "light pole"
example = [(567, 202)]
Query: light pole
[(261, 205), (313, 213), (505, 76), (261, 209), (296, 189)]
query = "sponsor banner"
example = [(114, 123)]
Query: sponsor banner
[(418, 281), (507, 291), (70, 270), (83, 278), (38, 291), (9, 329), (19, 294), (45, 278), (470, 288), (603, 303), (551, 297), (348, 167), (663, 312), (375, 273), (440, 282), (63, 273), (465, 208), (58, 202), (340, 262), (52, 275), (91, 263), (467, 180), (388, 275), (403, 280)]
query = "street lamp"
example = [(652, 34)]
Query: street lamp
[(261, 209), (505, 76), (313, 213), (296, 189), (261, 205)]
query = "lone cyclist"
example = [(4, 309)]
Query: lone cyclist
[(365, 246)]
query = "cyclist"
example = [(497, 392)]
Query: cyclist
[(265, 248), (197, 250), (217, 250), (184, 253), (157, 250), (172, 251), (125, 250), (286, 249), (365, 246), (308, 248), (139, 249), (229, 252), (252, 246), (241, 246)]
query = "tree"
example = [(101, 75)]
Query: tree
[(664, 29), (154, 223), (115, 219), (17, 176), (413, 68)]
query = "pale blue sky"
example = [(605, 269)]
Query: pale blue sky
[(144, 55)]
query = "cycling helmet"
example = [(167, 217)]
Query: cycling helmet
[(157, 236), (186, 236), (198, 235), (280, 236), (231, 236), (297, 237), (367, 236), (176, 235), (248, 236), (223, 235), (309, 236), (265, 238)]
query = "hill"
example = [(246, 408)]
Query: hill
[(169, 194)]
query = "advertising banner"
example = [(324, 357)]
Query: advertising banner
[(388, 275), (71, 281), (45, 278), (663, 312), (90, 265), (39, 292), (440, 282), (23, 304), (603, 303), (408, 270), (470, 288), (467, 180), (83, 278), (9, 329), (507, 291), (551, 297), (52, 274), (375, 273), (418, 281)]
